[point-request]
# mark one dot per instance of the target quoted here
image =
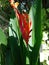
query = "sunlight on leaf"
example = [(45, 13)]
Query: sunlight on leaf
[(14, 28), (31, 15)]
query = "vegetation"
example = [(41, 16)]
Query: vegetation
[(13, 47)]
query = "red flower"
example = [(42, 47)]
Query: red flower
[(24, 22)]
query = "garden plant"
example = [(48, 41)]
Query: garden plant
[(22, 45)]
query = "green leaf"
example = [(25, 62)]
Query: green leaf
[(15, 50), (31, 15), (36, 12), (6, 56), (47, 9), (3, 39), (43, 15), (14, 27)]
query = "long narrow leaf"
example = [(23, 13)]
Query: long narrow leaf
[(37, 31)]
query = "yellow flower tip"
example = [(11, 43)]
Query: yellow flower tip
[(16, 4)]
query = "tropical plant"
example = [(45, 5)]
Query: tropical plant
[(24, 40)]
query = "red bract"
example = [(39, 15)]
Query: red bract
[(24, 22)]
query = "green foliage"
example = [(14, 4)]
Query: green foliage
[(31, 15), (16, 52), (43, 14), (45, 19), (38, 35), (14, 28), (5, 9), (48, 9), (3, 39)]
